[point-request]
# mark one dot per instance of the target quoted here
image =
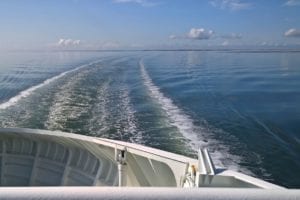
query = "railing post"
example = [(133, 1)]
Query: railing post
[(122, 167)]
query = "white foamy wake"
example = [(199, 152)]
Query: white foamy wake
[(121, 111), (25, 93), (196, 135), (64, 106), (129, 117), (98, 124)]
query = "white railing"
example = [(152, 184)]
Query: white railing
[(130, 193)]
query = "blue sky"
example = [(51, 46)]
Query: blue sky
[(122, 24)]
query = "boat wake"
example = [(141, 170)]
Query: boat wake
[(199, 137), (25, 93), (95, 101)]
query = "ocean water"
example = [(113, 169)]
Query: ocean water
[(244, 106)]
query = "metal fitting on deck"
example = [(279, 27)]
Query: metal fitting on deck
[(120, 156)]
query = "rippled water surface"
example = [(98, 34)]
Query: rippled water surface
[(243, 106)]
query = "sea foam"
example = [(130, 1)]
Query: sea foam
[(199, 137), (25, 93)]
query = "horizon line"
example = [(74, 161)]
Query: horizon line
[(244, 49)]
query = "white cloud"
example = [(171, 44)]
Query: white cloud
[(76, 42), (68, 42), (225, 43), (194, 34), (203, 34), (231, 4), (292, 3), (232, 36), (199, 34), (292, 33), (145, 3)]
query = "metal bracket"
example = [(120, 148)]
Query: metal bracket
[(120, 156)]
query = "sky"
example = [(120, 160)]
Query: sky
[(146, 24)]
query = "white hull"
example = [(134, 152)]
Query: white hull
[(50, 158)]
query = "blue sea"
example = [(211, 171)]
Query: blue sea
[(244, 106)]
